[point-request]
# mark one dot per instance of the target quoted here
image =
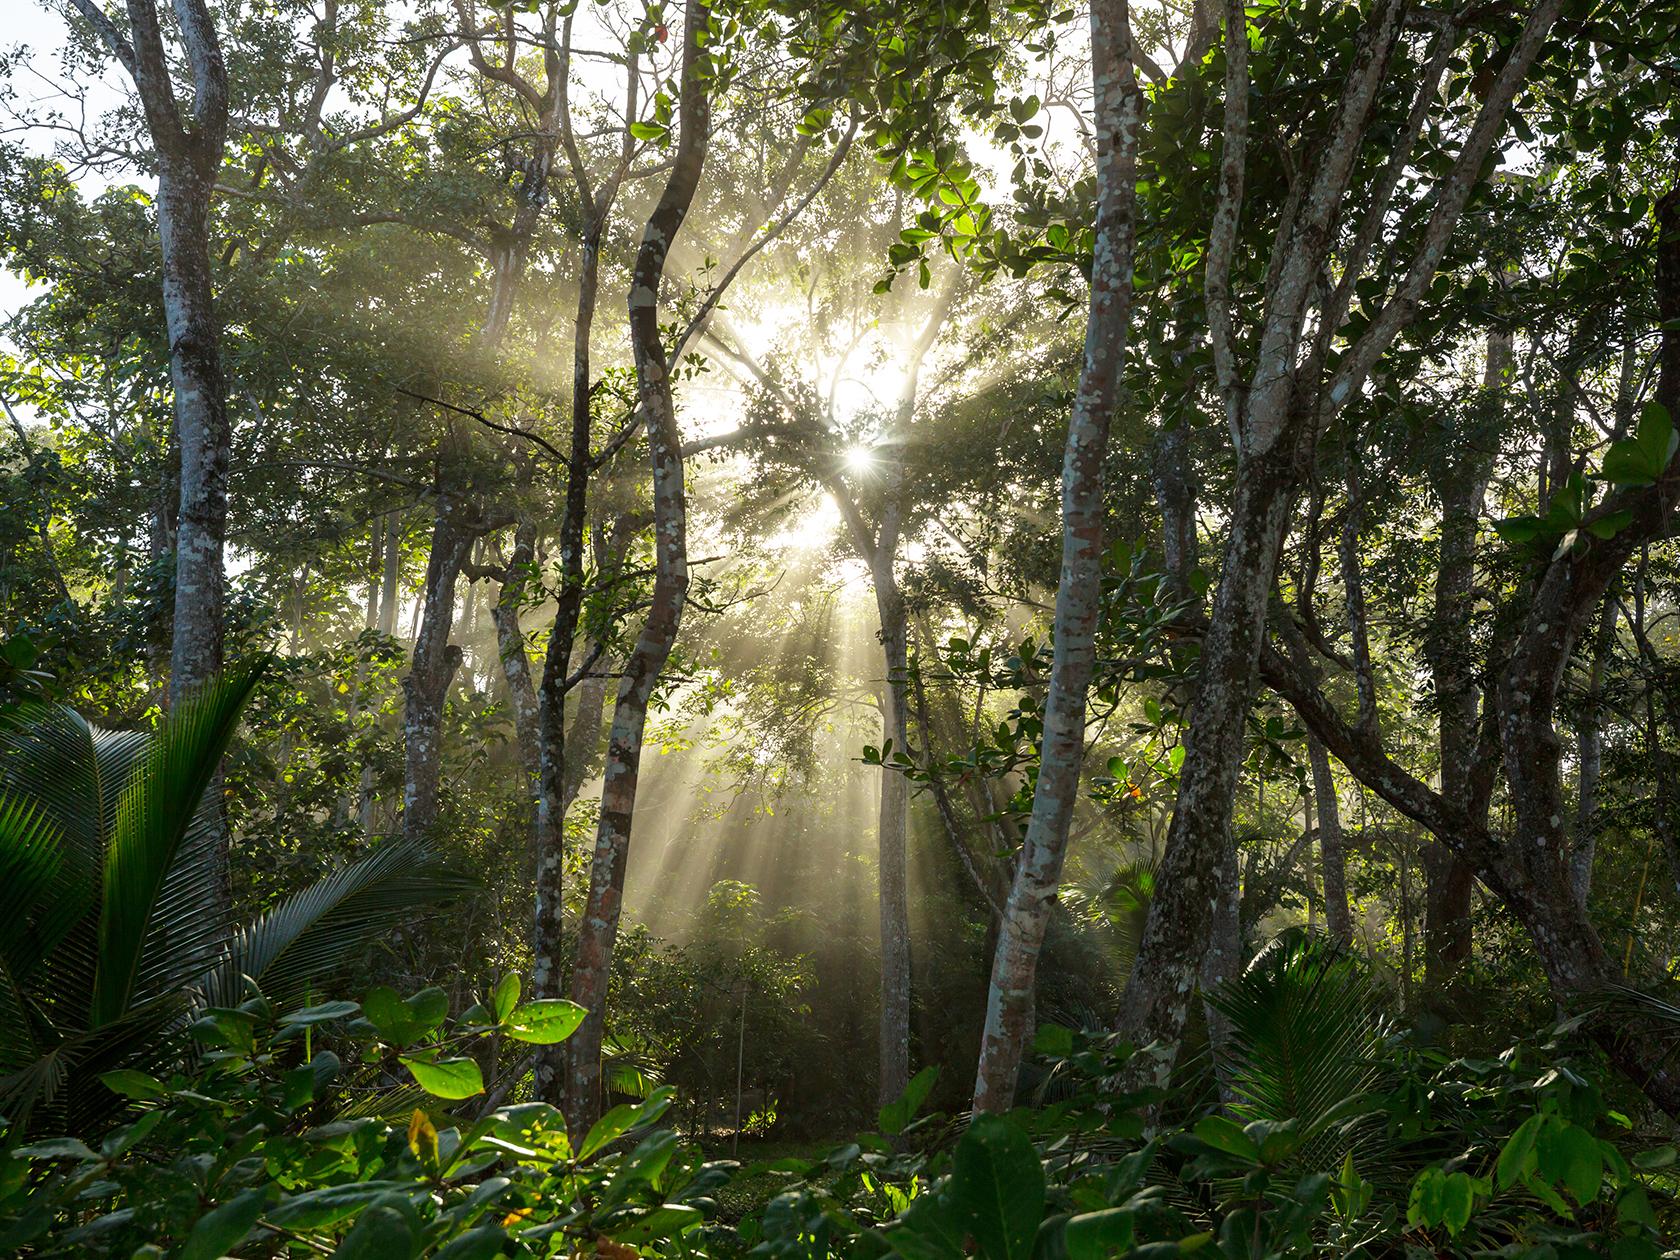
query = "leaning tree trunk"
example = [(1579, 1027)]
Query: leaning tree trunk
[(598, 931), (1026, 916)]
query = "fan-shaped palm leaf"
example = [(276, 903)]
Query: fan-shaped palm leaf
[(1306, 1038)]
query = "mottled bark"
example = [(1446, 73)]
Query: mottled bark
[(1460, 481), (426, 686), (1332, 854), (510, 646), (1117, 112), (187, 142), (598, 930), (1274, 419), (1589, 757)]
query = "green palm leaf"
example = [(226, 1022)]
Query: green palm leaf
[(1306, 1038), (313, 934), (154, 816)]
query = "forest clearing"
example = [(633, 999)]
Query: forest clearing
[(844, 628)]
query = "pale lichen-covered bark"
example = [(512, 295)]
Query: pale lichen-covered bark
[(1009, 1006), (187, 142)]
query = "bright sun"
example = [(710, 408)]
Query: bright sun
[(860, 459)]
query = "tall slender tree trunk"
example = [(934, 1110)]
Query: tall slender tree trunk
[(510, 645), (1332, 853), (187, 140), (1009, 1002), (201, 421), (598, 931), (426, 687), (894, 821), (1589, 757), (1460, 483)]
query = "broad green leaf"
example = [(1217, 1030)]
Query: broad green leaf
[(1097, 1235), (545, 1021), (447, 1078), (403, 1021), (223, 1228), (1641, 459), (1226, 1136), (321, 1014), (997, 1188), (506, 996), (380, 1233), (132, 1084), (621, 1119)]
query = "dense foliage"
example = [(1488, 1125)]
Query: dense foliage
[(840, 627)]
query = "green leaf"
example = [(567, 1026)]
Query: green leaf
[(223, 1228), (997, 1188), (665, 1221), (1226, 1135), (403, 1021), (505, 997), (1641, 459), (132, 1084), (475, 1244), (647, 130), (1098, 1235), (324, 1013), (380, 1233), (545, 1021), (57, 1148), (1569, 1156), (1516, 1157), (621, 1119), (901, 1110), (447, 1078)]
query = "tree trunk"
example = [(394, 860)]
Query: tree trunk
[(598, 931), (894, 823), (426, 687), (1332, 854), (1009, 1001), (1460, 483), (1589, 757), (510, 644)]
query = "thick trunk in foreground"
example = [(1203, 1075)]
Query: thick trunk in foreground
[(1026, 915), (598, 931)]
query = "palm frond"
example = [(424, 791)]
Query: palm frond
[(153, 818), (1306, 1036), (314, 933), (30, 857)]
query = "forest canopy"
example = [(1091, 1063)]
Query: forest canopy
[(849, 628)]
